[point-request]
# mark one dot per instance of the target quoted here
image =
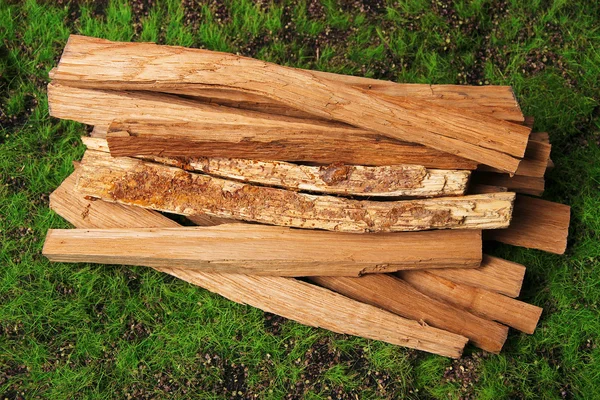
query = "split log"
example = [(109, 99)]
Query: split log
[(265, 250), (494, 306), (540, 137), (292, 299), (521, 184), (184, 128), (537, 224), (163, 188), (393, 294), (110, 65), (479, 188), (535, 161), (494, 274), (528, 121), (356, 180)]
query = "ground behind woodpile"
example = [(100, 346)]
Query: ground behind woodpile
[(106, 332)]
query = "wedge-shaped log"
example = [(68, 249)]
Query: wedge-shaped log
[(494, 306), (535, 162), (296, 300), (494, 274), (393, 294), (537, 224), (521, 184), (265, 250), (358, 180), (130, 181), (147, 66), (171, 126)]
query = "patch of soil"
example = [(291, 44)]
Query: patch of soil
[(466, 373), (273, 323), (141, 9), (136, 330), (193, 13), (371, 8)]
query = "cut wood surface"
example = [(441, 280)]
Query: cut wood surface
[(535, 161), (265, 250), (495, 274), (388, 181), (479, 188), (537, 224), (491, 305), (292, 299), (458, 131), (170, 126), (164, 188), (393, 294), (521, 184)]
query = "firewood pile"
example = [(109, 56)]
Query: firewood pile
[(340, 202)]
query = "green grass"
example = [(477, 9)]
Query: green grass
[(110, 332)]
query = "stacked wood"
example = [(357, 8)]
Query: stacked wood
[(390, 184)]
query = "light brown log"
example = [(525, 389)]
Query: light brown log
[(535, 161), (341, 179), (479, 188), (494, 274), (393, 294), (459, 131), (265, 250), (292, 299), (537, 224), (521, 184), (160, 121), (163, 188), (494, 306)]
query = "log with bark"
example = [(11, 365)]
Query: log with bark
[(163, 188), (292, 299), (142, 66)]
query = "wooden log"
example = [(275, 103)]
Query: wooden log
[(494, 274), (494, 306), (540, 137), (290, 298), (393, 294), (163, 188), (150, 67), (356, 180), (265, 250), (537, 224), (224, 132), (520, 184), (535, 161), (479, 188), (528, 121)]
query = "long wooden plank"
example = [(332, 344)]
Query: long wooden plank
[(265, 250), (491, 305), (521, 184), (393, 294), (357, 180), (169, 189), (535, 162), (171, 126), (459, 131), (537, 224), (292, 299), (494, 274)]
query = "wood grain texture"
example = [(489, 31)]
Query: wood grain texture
[(535, 161), (480, 188), (494, 274), (393, 294), (167, 125), (520, 184), (282, 296), (491, 305), (458, 131), (341, 179), (265, 250), (537, 224), (163, 188)]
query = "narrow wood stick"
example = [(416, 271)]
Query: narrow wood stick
[(356, 180), (494, 306), (467, 134), (163, 188), (537, 224), (393, 294), (494, 274), (292, 299)]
